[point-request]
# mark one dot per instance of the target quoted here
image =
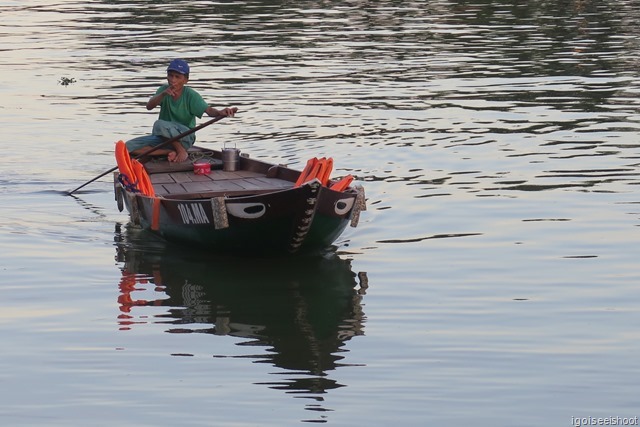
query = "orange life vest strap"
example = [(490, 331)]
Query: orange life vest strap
[(321, 169), (124, 161), (133, 170), (343, 184), (311, 163), (144, 182), (325, 171), (155, 217)]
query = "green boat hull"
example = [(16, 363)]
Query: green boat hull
[(300, 220)]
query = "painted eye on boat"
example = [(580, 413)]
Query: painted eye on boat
[(252, 210), (246, 210), (343, 206)]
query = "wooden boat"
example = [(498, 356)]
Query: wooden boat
[(243, 206)]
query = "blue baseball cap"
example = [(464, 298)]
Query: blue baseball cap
[(179, 65)]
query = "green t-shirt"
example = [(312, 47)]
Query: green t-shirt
[(185, 109)]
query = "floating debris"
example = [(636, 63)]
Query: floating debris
[(66, 81)]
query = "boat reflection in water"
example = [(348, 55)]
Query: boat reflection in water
[(302, 309)]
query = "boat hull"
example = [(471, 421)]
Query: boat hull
[(300, 220)]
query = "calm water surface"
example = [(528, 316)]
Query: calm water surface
[(493, 280)]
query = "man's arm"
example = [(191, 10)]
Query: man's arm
[(225, 112)]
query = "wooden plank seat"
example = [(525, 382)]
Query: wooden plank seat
[(178, 181), (188, 185)]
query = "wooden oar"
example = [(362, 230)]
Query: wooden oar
[(152, 149)]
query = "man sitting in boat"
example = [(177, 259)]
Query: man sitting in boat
[(179, 107)]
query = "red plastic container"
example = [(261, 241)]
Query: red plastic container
[(202, 168)]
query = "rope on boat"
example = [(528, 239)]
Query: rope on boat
[(199, 155), (131, 187)]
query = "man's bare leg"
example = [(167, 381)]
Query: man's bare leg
[(179, 154)]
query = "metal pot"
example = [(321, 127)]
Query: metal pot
[(230, 159)]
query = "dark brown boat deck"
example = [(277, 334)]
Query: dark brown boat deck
[(218, 183)]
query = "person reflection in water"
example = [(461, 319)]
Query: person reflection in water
[(179, 107)]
